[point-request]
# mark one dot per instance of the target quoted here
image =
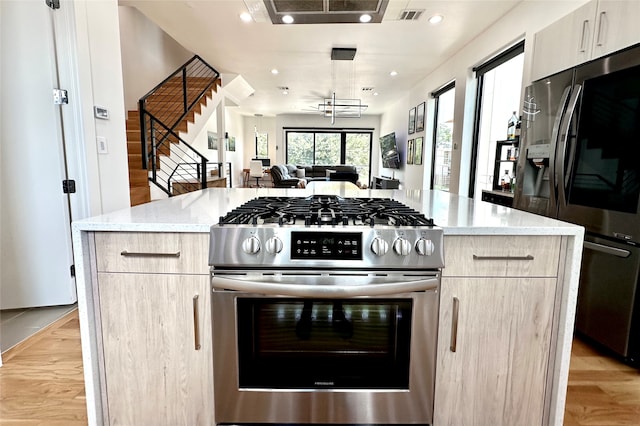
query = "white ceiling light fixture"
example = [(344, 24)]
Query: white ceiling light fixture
[(246, 17), (393, 73), (436, 19), (274, 71), (335, 107), (365, 18), (287, 19)]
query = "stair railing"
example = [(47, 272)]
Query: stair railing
[(160, 114), (175, 152)]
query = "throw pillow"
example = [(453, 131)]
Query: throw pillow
[(300, 173), (329, 171)]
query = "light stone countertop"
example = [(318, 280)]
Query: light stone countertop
[(197, 211)]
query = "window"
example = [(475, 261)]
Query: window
[(498, 95), (353, 147), (262, 145), (442, 137)]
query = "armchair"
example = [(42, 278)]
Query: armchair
[(283, 179)]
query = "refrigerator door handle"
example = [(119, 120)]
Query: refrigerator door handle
[(555, 133), (561, 152)]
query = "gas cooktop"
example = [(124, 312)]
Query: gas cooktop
[(321, 210), (325, 231)]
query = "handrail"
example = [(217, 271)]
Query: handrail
[(160, 114)]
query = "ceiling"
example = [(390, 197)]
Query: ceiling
[(302, 53)]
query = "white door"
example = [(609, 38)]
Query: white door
[(35, 234)]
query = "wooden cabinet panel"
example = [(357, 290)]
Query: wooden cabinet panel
[(616, 26), (497, 374), (154, 373), (596, 29), (565, 43), (501, 256), (152, 252)]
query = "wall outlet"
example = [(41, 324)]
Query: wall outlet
[(102, 145)]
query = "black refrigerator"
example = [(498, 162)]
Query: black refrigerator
[(580, 163)]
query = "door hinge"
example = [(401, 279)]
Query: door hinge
[(73, 271), (68, 186), (60, 97), (53, 4)]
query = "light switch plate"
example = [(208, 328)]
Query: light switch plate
[(102, 145)]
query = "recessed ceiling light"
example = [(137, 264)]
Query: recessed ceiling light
[(285, 92), (375, 93), (246, 17), (287, 19), (365, 18), (274, 71), (436, 19), (393, 73)]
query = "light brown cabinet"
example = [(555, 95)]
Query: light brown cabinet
[(596, 29), (154, 305), (494, 338)]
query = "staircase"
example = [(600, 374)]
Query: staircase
[(167, 110)]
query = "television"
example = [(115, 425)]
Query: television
[(389, 151)]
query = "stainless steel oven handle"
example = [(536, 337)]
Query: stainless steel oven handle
[(325, 291), (607, 249)]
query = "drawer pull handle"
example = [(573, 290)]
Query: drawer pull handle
[(196, 323), (138, 254), (527, 257), (454, 325)]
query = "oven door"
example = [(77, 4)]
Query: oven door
[(315, 348)]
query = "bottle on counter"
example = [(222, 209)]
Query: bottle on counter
[(511, 128), (518, 128), (506, 181)]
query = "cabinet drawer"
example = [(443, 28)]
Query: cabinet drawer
[(170, 253), (501, 256)]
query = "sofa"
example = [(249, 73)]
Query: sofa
[(288, 175), (339, 172)]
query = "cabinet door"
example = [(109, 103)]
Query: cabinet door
[(154, 373), (565, 43), (496, 375), (616, 26)]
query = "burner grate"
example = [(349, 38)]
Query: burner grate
[(325, 210)]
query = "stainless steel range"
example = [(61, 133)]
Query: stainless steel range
[(325, 311)]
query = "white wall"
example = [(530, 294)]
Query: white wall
[(149, 55), (522, 21)]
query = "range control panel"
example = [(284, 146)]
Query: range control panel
[(327, 245)]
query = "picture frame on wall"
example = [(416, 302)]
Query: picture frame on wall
[(412, 120), (212, 140), (231, 143), (410, 151), (417, 157), (420, 117)]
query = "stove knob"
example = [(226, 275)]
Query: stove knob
[(424, 247), (274, 245), (379, 246), (251, 245), (402, 246)]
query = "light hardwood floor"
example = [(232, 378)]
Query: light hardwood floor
[(41, 383)]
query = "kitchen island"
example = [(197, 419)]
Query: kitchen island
[(514, 333)]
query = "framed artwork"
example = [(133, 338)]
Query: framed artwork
[(417, 156), (420, 118), (412, 120), (410, 151), (231, 143), (212, 140)]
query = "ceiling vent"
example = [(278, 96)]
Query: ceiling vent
[(343, 54), (411, 14), (367, 89)]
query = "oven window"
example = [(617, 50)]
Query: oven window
[(335, 344)]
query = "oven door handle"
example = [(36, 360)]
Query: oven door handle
[(325, 291)]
